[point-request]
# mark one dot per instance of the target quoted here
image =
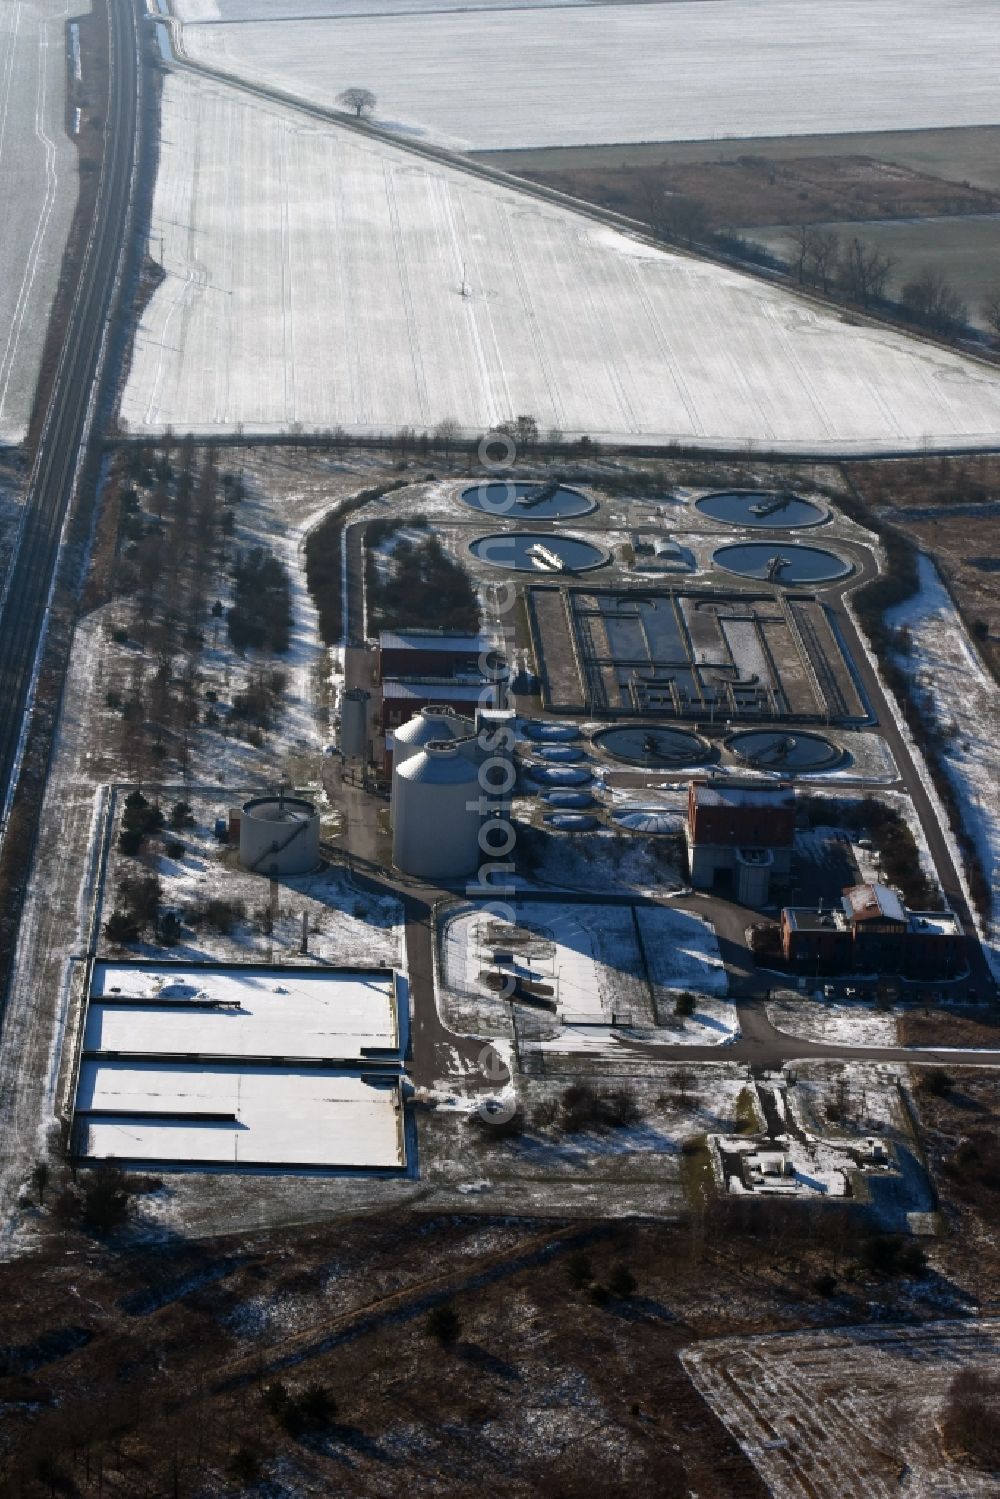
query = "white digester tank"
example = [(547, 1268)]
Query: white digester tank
[(436, 816), (431, 725)]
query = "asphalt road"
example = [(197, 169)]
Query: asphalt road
[(760, 1044), (68, 420)]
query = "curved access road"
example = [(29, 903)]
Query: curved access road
[(72, 402)]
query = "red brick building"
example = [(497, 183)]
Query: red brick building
[(739, 833), (870, 931)]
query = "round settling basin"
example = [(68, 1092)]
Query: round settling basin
[(777, 749), (648, 820), (781, 509), (771, 563), (652, 745), (528, 501), (546, 554), (551, 733), (566, 753), (573, 800), (558, 775), (571, 822)]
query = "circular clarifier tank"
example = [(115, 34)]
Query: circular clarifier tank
[(544, 553), (558, 775), (780, 509), (647, 820), (570, 800), (566, 753), (571, 822), (528, 501), (551, 733), (653, 745), (784, 750), (782, 564)]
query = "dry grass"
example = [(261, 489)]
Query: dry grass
[(756, 188), (552, 1382)]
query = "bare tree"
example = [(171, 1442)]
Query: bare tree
[(652, 201), (670, 215), (991, 311), (526, 431), (361, 100), (864, 272), (814, 254), (800, 250), (933, 301), (822, 257), (446, 434)]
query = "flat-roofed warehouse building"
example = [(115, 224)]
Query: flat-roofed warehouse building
[(215, 1065), (430, 654)]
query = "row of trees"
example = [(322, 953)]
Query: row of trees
[(862, 272), (825, 259)]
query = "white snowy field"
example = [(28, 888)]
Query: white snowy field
[(316, 277), (550, 76), (958, 695), (195, 11), (38, 184), (273, 1115), (838, 1413)]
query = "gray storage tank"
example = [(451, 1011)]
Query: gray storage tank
[(354, 723), (436, 817), (279, 835)]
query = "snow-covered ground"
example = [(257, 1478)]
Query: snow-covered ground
[(839, 1413), (601, 966), (617, 73), (836, 1024), (348, 925), (314, 276), (958, 695), (38, 182), (195, 11)]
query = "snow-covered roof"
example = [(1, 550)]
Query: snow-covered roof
[(935, 923), (809, 919), (434, 692), (873, 901), (173, 1010), (237, 1116), (430, 640), (720, 794)]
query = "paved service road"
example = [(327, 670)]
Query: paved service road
[(66, 427), (438, 1052)]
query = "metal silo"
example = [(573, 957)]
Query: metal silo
[(431, 725), (279, 835), (436, 817), (354, 723)]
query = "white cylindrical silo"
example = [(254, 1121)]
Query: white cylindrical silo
[(436, 818), (430, 725), (279, 835), (354, 723)]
